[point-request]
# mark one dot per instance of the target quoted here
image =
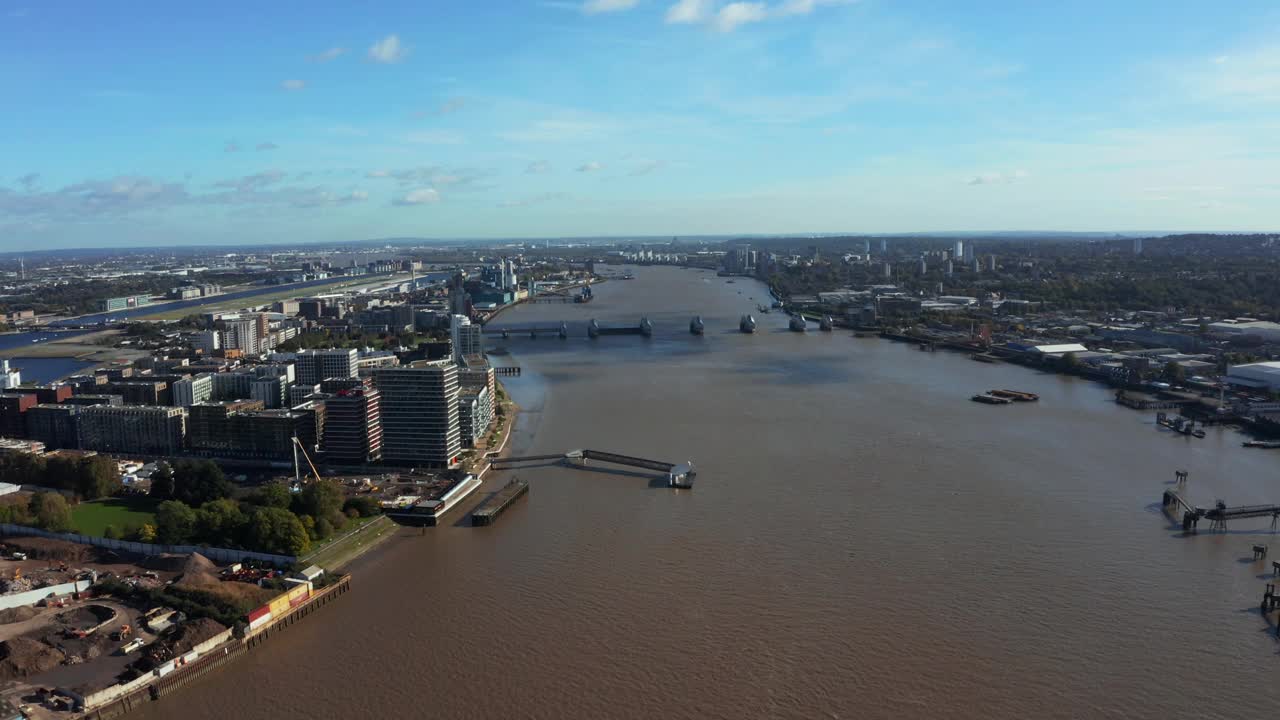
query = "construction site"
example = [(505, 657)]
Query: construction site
[(83, 625)]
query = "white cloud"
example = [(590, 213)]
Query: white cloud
[(590, 167), (29, 181), (422, 196), (804, 7), (593, 7), (552, 131), (254, 181), (538, 167), (690, 11), (378, 174), (388, 50), (997, 178), (733, 15), (736, 14), (267, 146), (293, 85), (329, 55)]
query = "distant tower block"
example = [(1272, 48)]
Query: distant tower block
[(1137, 246)]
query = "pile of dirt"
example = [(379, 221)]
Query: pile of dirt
[(199, 573), (23, 656), (17, 614), (50, 549), (191, 634), (165, 562)]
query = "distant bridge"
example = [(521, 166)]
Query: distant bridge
[(679, 475)]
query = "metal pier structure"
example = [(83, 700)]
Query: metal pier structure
[(679, 475), (1218, 515)]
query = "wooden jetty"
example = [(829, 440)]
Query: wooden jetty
[(497, 503)]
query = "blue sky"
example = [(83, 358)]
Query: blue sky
[(133, 123)]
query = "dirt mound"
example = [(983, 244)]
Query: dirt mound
[(22, 657), (165, 563), (201, 574), (17, 614), (191, 634), (50, 549), (197, 563)]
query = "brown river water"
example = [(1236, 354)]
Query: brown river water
[(862, 542)]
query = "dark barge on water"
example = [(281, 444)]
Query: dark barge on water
[(489, 510)]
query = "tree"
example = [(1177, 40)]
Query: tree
[(320, 499), (97, 477), (147, 533), (50, 511), (324, 528), (198, 482), (162, 482), (276, 530), (175, 522), (111, 532), (364, 505), (220, 522), (272, 495)]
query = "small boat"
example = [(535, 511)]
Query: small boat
[(1266, 444), (747, 324), (991, 400), (646, 327), (984, 357), (696, 325), (1015, 395), (826, 323), (564, 331), (593, 329), (797, 324)]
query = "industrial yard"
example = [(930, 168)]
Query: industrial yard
[(82, 626)]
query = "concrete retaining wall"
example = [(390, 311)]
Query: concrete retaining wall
[(222, 555), (31, 597)]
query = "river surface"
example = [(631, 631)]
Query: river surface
[(863, 542)]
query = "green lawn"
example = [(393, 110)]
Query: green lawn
[(92, 518)]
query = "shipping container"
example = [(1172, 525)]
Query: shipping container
[(280, 605), (190, 657), (260, 621), (299, 595), (165, 669), (255, 614)]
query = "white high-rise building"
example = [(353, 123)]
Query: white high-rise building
[(192, 390), (207, 341), (312, 366), (242, 335), (1137, 246), (468, 339), (9, 378), (958, 253)]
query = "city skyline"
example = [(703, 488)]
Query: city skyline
[(183, 125)]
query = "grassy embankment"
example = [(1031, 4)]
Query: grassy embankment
[(92, 518)]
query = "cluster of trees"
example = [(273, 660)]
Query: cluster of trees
[(197, 508), (45, 510), (324, 339), (88, 477)]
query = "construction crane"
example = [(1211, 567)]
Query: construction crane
[(297, 469)]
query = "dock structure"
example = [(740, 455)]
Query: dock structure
[(489, 510), (1218, 515), (679, 475)]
